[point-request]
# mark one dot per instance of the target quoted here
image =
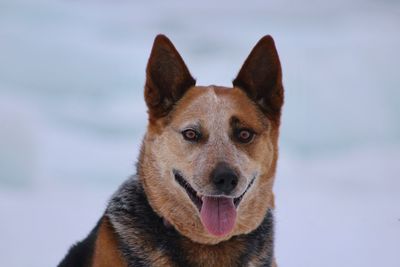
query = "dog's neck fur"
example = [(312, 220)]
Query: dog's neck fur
[(140, 232)]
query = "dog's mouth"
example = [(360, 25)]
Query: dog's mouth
[(217, 213)]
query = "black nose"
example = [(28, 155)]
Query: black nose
[(224, 178)]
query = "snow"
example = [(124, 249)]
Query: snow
[(72, 117)]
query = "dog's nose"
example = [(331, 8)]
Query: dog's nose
[(224, 178)]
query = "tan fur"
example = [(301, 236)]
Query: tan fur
[(225, 254), (164, 148), (106, 251)]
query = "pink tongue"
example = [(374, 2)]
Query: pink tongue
[(218, 215)]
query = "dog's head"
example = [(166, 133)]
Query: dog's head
[(209, 156)]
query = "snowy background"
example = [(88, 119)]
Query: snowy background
[(72, 116)]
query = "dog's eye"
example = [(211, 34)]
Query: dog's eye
[(244, 135), (191, 135)]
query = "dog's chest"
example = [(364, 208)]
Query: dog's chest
[(226, 255), (145, 241), (242, 251)]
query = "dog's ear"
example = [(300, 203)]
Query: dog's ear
[(261, 78), (167, 78)]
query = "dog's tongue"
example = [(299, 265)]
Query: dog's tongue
[(218, 215)]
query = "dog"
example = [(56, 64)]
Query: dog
[(203, 192)]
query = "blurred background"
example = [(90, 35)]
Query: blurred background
[(72, 116)]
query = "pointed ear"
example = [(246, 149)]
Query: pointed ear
[(167, 77), (261, 78)]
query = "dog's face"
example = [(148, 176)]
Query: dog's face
[(209, 156)]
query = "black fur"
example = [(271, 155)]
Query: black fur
[(140, 232)]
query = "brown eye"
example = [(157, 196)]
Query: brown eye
[(191, 135), (244, 135)]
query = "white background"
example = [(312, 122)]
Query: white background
[(72, 117)]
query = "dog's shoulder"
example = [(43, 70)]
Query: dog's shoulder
[(80, 254), (101, 246), (106, 252), (99, 249)]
